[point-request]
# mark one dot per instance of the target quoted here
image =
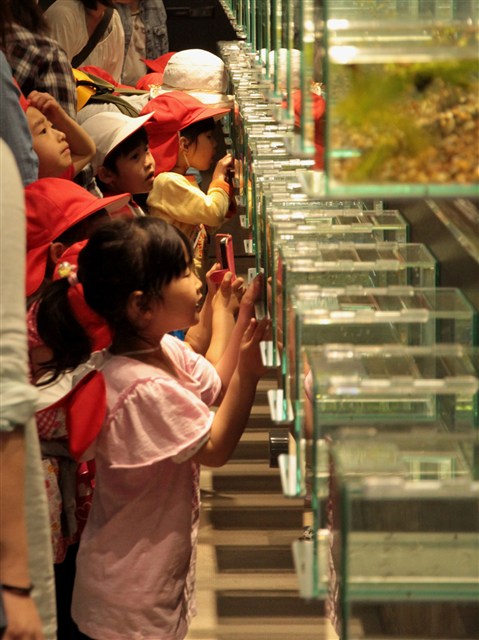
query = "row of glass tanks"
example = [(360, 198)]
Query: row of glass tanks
[(341, 105)]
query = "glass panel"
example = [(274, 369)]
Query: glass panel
[(392, 387), (393, 315), (341, 265), (403, 522), (402, 106)]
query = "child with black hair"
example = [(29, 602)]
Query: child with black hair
[(182, 136), (63, 147), (123, 160), (135, 567)]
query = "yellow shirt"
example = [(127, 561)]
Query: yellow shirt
[(179, 200)]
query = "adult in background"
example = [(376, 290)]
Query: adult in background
[(73, 22), (146, 35), (26, 570), (36, 60)]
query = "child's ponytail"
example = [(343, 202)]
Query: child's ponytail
[(61, 332)]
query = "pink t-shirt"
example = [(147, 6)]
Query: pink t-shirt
[(135, 566)]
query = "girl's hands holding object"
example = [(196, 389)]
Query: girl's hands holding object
[(222, 166), (229, 294)]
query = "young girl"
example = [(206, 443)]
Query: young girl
[(136, 563), (181, 137)]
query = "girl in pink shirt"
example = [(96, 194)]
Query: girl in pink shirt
[(136, 562)]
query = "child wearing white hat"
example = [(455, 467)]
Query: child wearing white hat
[(123, 161)]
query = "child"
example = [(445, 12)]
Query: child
[(62, 146), (123, 161), (59, 213), (186, 139), (135, 567)]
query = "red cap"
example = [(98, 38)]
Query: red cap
[(173, 112), (151, 79), (54, 205), (160, 63)]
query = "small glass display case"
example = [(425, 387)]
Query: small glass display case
[(325, 225), (392, 386), (403, 536), (356, 316), (401, 85), (369, 316), (380, 264)]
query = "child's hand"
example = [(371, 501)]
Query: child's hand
[(229, 294), (222, 167), (252, 295), (47, 104), (249, 361), (212, 287)]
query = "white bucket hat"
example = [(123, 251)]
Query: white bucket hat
[(108, 130), (199, 73)]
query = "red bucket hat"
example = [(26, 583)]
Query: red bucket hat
[(173, 112), (53, 205), (160, 63)]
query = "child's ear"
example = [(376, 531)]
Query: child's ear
[(184, 144), (56, 250), (138, 309), (106, 175)]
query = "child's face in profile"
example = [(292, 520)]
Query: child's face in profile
[(135, 172), (49, 144), (202, 152)]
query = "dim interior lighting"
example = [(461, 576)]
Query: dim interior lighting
[(343, 55)]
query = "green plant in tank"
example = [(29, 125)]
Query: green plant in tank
[(393, 109)]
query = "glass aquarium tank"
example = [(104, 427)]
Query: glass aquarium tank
[(345, 264), (400, 82), (359, 316), (392, 386), (403, 543)]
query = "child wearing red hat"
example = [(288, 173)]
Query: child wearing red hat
[(59, 213), (62, 146), (181, 136)]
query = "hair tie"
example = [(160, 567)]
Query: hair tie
[(69, 271)]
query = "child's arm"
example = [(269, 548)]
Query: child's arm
[(227, 363), (81, 145), (232, 415), (198, 337), (175, 196)]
